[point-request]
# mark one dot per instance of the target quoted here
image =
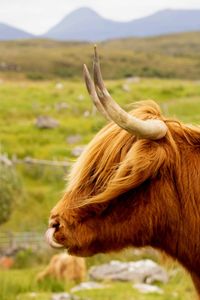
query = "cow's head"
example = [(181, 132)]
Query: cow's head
[(120, 187)]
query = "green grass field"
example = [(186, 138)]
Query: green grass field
[(21, 101), (21, 284)]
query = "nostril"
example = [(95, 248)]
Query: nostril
[(54, 224)]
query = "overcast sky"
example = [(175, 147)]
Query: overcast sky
[(37, 16)]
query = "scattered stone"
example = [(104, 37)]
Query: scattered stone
[(147, 288), (143, 271), (81, 97), (9, 67), (5, 160), (59, 86), (126, 87), (74, 139), (64, 296), (3, 65), (133, 79), (45, 122), (86, 114), (61, 106), (77, 151), (90, 285), (13, 250), (33, 295)]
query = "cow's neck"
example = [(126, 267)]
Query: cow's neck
[(183, 242), (188, 188)]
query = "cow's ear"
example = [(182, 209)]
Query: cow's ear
[(142, 162)]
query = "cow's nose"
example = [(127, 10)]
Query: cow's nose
[(54, 223)]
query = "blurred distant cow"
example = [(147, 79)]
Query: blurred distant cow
[(64, 267), (6, 262)]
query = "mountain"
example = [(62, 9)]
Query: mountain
[(8, 32), (85, 24), (166, 22)]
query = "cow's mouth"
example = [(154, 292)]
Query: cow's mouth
[(49, 236)]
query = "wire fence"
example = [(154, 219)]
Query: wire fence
[(42, 162), (33, 161), (10, 241)]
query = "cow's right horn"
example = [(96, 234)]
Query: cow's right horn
[(149, 129)]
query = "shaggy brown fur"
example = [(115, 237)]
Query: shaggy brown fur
[(64, 267), (125, 191)]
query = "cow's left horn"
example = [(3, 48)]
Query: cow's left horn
[(49, 236), (149, 129)]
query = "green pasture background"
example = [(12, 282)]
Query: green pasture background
[(29, 77)]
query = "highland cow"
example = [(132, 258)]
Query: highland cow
[(136, 184), (6, 262), (64, 267)]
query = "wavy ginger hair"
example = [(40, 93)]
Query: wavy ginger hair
[(116, 161)]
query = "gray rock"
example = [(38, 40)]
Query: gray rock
[(64, 296), (33, 295), (81, 97), (133, 79), (5, 160), (59, 86), (73, 139), (77, 151), (46, 122), (3, 65), (143, 271), (147, 288), (86, 114), (90, 285), (126, 87), (61, 106)]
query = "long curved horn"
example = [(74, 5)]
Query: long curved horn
[(91, 90), (149, 129)]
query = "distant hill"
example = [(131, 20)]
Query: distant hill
[(8, 32), (85, 24), (172, 56)]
